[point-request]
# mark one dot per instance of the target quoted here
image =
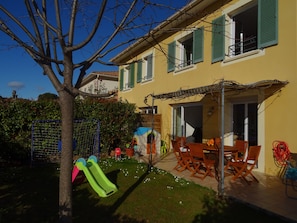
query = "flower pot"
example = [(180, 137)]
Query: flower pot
[(129, 152)]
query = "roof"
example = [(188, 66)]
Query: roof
[(104, 75), (270, 87), (193, 10)]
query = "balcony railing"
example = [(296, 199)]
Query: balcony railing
[(184, 64), (247, 45)]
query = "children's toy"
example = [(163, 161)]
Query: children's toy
[(95, 176)]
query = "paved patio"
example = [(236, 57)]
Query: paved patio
[(268, 195)]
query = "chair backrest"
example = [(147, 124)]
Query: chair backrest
[(174, 145), (253, 154), (181, 140), (241, 145), (217, 143), (196, 150)]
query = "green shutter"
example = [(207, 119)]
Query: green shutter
[(132, 75), (267, 23), (121, 79), (198, 45), (139, 71), (218, 39), (171, 57)]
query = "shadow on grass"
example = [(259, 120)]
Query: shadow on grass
[(102, 213), (29, 194), (224, 210)]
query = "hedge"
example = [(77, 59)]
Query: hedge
[(118, 121)]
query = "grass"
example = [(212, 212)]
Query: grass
[(31, 195)]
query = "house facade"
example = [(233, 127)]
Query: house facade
[(219, 68), (100, 82)]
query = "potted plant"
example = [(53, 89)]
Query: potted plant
[(130, 148)]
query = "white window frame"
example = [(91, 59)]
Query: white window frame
[(127, 77), (230, 13), (145, 68), (182, 61)]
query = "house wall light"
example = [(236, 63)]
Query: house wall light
[(210, 111)]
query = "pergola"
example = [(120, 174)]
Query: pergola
[(270, 87)]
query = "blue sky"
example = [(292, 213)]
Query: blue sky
[(19, 72)]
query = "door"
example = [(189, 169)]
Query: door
[(178, 121), (245, 122), (187, 121)]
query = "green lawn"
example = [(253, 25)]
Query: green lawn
[(31, 195)]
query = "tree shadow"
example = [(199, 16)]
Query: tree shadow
[(227, 210), (86, 207), (29, 194)]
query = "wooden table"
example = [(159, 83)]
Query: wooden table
[(229, 151)]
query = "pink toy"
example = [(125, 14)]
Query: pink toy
[(75, 172)]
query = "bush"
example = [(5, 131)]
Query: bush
[(118, 121)]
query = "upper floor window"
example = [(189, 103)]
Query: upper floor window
[(244, 25), (185, 51), (145, 69), (251, 26), (185, 46), (127, 77)]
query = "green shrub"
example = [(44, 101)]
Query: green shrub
[(118, 122)]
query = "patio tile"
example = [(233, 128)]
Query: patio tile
[(268, 194)]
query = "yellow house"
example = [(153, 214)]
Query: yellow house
[(219, 63)]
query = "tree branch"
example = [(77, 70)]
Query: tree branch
[(94, 30)]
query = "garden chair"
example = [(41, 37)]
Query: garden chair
[(201, 160), (242, 147), (291, 178), (227, 155), (180, 166), (242, 169), (196, 156)]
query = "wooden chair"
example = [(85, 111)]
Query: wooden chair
[(227, 155), (242, 147), (242, 169), (181, 140), (196, 156), (180, 157), (179, 166), (201, 161)]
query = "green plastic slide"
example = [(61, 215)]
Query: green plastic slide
[(96, 177)]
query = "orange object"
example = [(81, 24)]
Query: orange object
[(210, 142)]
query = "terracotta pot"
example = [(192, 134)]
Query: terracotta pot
[(129, 152)]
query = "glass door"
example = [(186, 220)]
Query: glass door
[(178, 121)]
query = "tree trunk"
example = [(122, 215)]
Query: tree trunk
[(65, 186)]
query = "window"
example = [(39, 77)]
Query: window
[(127, 77), (185, 51), (185, 46), (149, 110), (251, 26), (145, 69)]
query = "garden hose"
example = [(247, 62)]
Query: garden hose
[(281, 152)]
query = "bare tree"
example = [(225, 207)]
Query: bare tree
[(57, 34)]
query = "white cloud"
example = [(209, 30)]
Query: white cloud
[(16, 85)]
